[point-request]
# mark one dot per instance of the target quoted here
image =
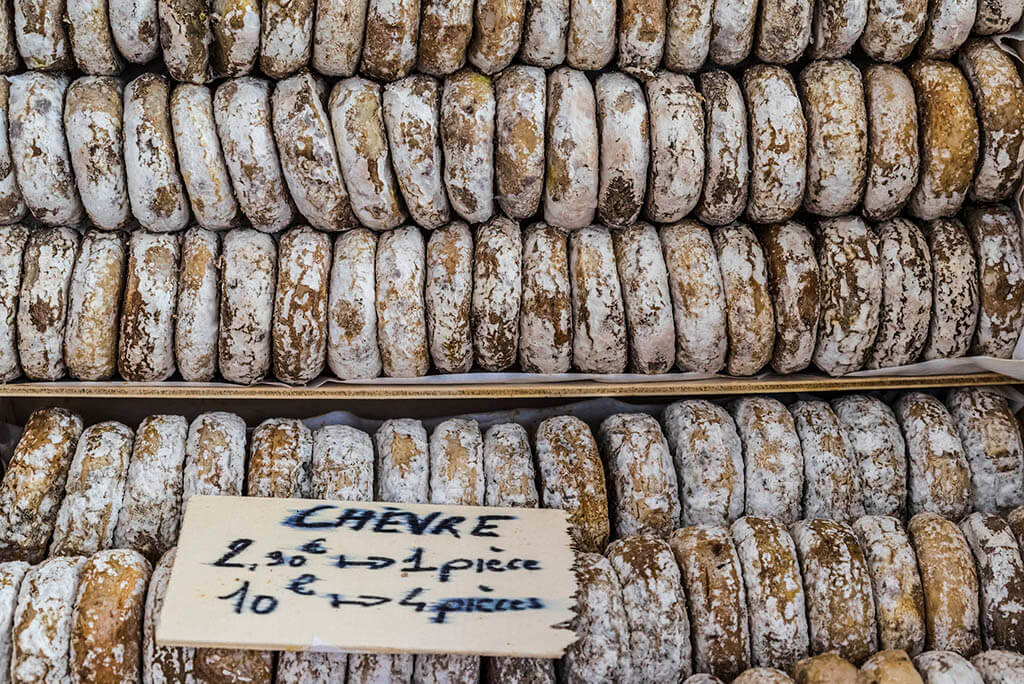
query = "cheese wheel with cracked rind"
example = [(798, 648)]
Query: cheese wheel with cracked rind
[(644, 490), (687, 34), (1000, 578), (893, 159), (508, 467), (135, 27), (773, 460), (248, 277), (838, 25), (995, 234), (94, 491), (497, 290), (591, 41), (851, 294), (840, 609), (676, 171), (214, 456), (43, 622), (151, 508), (445, 30), (338, 30), (939, 475), (351, 310), (890, 667), (401, 312), (358, 123), (775, 595), (241, 108), (286, 36), (520, 102), (198, 312), (732, 31), (946, 667), (94, 302), (389, 45), (467, 140), (48, 264), (602, 652), (12, 206), (11, 576), (309, 159), (784, 30), (107, 622), (572, 479), (698, 296), (641, 36), (646, 298), (708, 457), (874, 435), (185, 38), (992, 444), (342, 465), (545, 314), (571, 153), (280, 459), (750, 316), (598, 313), (12, 248), (793, 289), (827, 668), (39, 150), (155, 188), (545, 29), (778, 144), (655, 606), (948, 26), (727, 157), (91, 42), (169, 664), (9, 62), (954, 290), (39, 30), (93, 126), (299, 327), (997, 16), (895, 582), (412, 114), (837, 130), (33, 485), (200, 159), (236, 37), (999, 94), (893, 28), (999, 666), (624, 132), (497, 27), (950, 584), (146, 345), (449, 296), (832, 487), (948, 138), (403, 464), (906, 268), (716, 599)]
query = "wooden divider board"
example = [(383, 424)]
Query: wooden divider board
[(304, 574)]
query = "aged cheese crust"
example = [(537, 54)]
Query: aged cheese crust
[(497, 290), (624, 131), (895, 581), (778, 144), (91, 42), (999, 666), (467, 140), (280, 459), (389, 46), (1000, 579), (793, 287), (774, 466), (236, 36), (168, 664), (136, 29), (41, 632), (248, 275), (545, 28), (591, 39), (873, 433), (39, 30), (708, 457), (342, 465), (338, 36), (646, 298), (992, 445), (949, 24), (687, 34), (545, 332), (12, 206), (403, 464), (727, 152), (93, 126), (950, 584), (43, 301), (840, 610), (94, 302), (946, 667), (520, 103), (676, 172), (939, 475), (445, 30), (449, 297), (351, 310), (995, 234), (185, 39), (851, 294), (750, 316), (571, 171), (603, 651), (412, 114), (954, 290), (401, 312), (644, 490), (893, 28), (832, 487), (784, 30), (598, 313), (997, 16), (641, 36), (571, 478), (509, 478), (299, 326), (827, 668), (214, 456), (732, 31), (146, 345), (12, 248), (11, 576), (33, 486), (838, 25), (893, 159), (497, 27), (286, 36), (198, 311)]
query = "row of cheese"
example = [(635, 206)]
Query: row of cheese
[(833, 141)]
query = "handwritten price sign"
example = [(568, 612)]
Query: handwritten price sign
[(303, 574)]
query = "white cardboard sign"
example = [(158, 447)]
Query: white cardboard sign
[(304, 574)]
